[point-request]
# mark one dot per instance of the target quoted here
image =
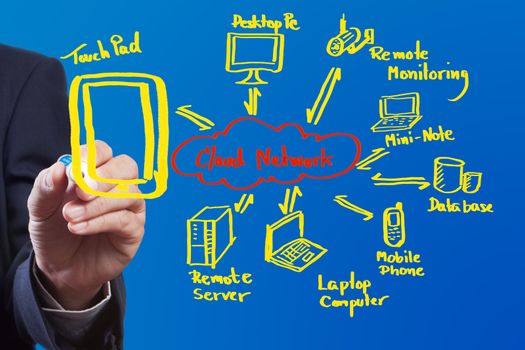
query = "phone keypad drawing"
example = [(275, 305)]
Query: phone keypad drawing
[(394, 226)]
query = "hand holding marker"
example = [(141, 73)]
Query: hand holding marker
[(67, 160), (82, 241)]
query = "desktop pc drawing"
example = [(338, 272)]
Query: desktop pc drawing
[(296, 254), (253, 53), (398, 112)]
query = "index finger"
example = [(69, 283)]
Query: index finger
[(102, 151)]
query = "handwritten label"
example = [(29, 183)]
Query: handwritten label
[(208, 158), (400, 264), (284, 154), (448, 206), (342, 288), (428, 135), (119, 48), (254, 22), (423, 72), (232, 279)]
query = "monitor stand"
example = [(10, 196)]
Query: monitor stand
[(253, 78)]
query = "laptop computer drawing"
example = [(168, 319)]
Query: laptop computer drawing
[(398, 112), (294, 254)]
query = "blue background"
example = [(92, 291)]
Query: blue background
[(472, 294)]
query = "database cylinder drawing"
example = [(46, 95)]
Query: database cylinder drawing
[(448, 174)]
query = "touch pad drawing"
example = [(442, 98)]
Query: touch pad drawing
[(152, 88)]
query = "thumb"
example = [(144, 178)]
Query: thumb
[(48, 192)]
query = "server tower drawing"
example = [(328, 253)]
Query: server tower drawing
[(210, 235)]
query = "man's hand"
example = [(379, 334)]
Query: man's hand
[(81, 241)]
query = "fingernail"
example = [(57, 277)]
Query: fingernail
[(49, 178), (76, 212), (78, 227)]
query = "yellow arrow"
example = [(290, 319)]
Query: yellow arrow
[(394, 181), (249, 202), (296, 192), (252, 104), (324, 96), (238, 205), (341, 200), (202, 122), (288, 205), (376, 154)]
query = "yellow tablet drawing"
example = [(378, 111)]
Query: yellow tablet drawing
[(398, 112), (295, 255), (252, 53), (210, 235), (156, 149)]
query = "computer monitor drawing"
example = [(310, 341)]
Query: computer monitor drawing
[(253, 53), (398, 112), (398, 105)]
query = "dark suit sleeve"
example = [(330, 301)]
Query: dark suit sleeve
[(38, 134)]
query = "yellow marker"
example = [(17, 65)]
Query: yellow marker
[(239, 55), (376, 154), (323, 97), (295, 255), (395, 181), (67, 160), (398, 112), (156, 150), (202, 122), (210, 235), (341, 200), (394, 226)]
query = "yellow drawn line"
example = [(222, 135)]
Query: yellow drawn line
[(80, 92), (376, 154), (333, 76), (284, 206), (341, 200), (239, 204), (414, 180), (288, 205), (203, 122), (296, 192), (252, 104), (250, 201)]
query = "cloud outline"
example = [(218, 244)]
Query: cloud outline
[(304, 134)]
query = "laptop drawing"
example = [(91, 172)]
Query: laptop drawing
[(398, 112), (295, 254)]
